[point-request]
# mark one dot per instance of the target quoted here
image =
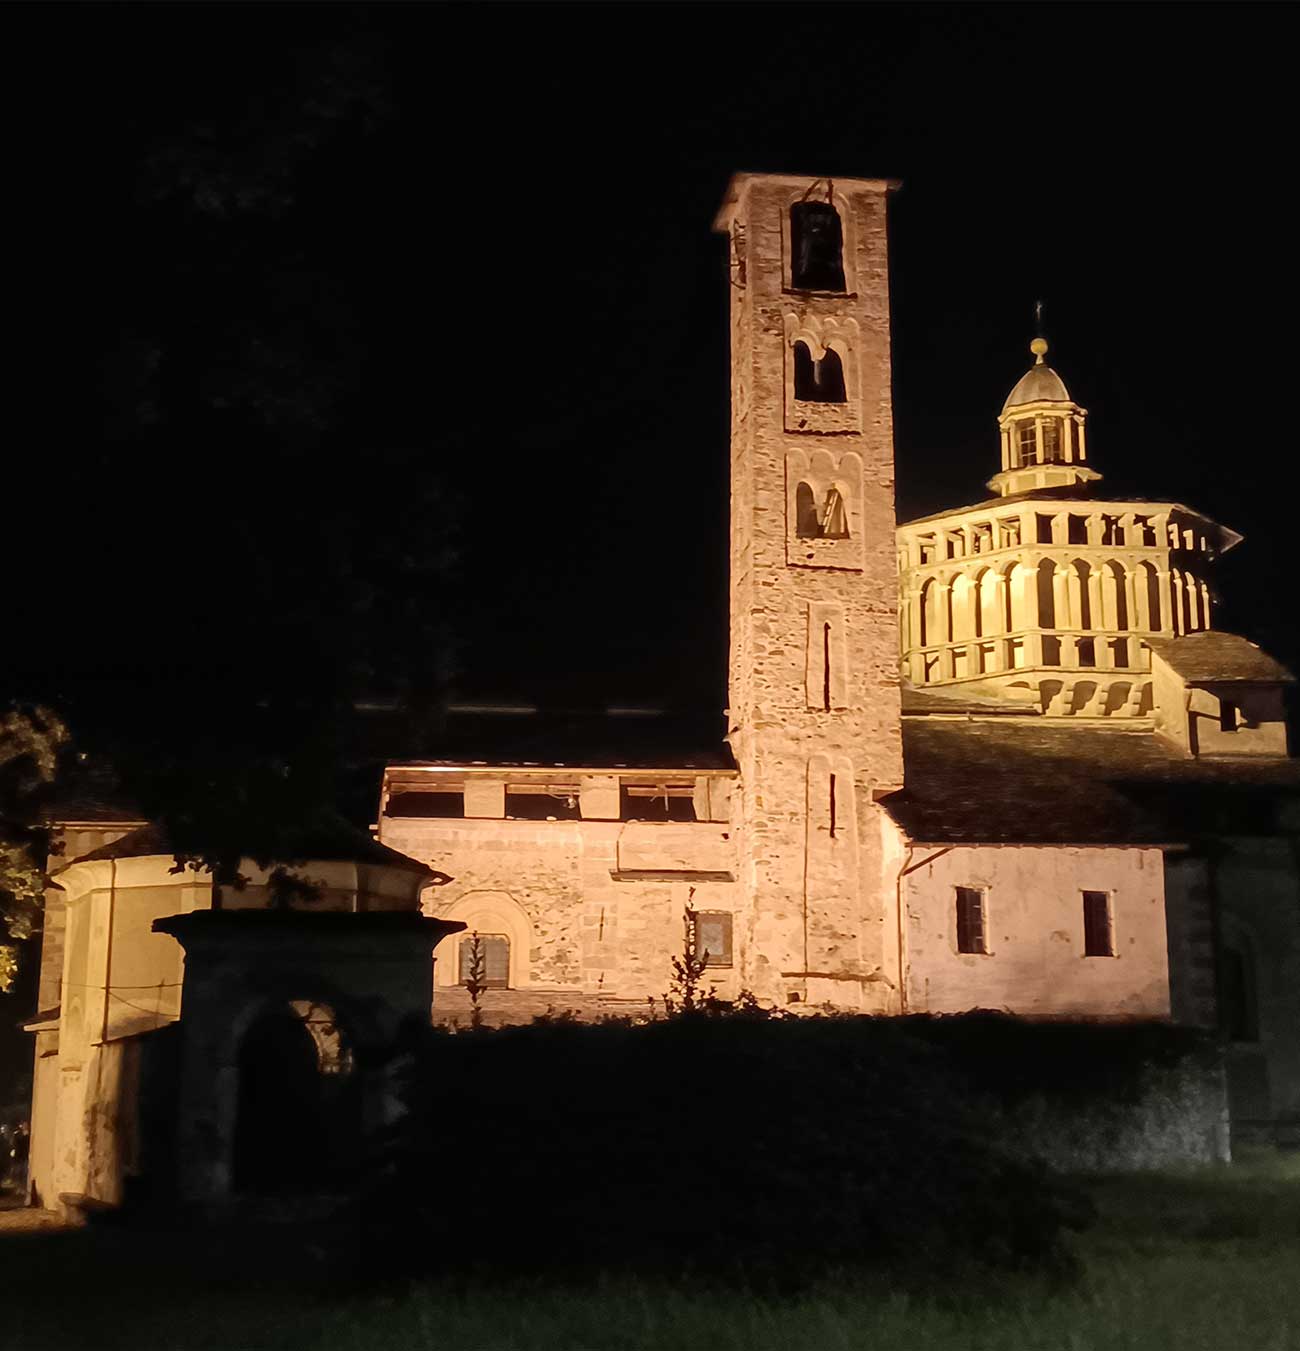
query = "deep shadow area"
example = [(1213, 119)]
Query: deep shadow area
[(1179, 1258), (769, 1150)]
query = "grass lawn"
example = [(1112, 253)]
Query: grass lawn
[(1206, 1258)]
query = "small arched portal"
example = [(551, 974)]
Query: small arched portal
[(298, 1121)]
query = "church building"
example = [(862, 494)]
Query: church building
[(996, 758)]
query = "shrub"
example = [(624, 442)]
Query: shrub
[(706, 1146)]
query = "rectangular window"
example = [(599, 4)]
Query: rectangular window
[(1052, 453), (426, 804), (543, 802), (713, 936), (1044, 528), (1098, 930), (1227, 716), (1026, 445), (494, 960), (657, 802), (970, 920)]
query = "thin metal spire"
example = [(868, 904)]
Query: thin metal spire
[(1039, 345)]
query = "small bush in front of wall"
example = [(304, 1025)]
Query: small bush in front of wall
[(1088, 1097), (772, 1149)]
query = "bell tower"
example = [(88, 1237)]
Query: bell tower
[(813, 679)]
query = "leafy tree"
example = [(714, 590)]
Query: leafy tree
[(293, 535), (30, 741)]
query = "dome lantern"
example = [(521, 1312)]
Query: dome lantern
[(1043, 440)]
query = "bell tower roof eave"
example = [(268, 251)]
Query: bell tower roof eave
[(738, 182)]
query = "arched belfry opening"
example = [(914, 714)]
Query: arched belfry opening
[(816, 247), (820, 379), (834, 515), (806, 523), (827, 519)]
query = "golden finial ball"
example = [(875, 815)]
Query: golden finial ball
[(1038, 347)]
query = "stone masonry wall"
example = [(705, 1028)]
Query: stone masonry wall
[(582, 937), (820, 914), (1034, 923)]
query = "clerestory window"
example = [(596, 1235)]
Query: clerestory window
[(1026, 444)]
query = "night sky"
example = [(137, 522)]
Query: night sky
[(371, 345)]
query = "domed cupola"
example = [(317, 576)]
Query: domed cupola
[(1039, 384), (1043, 442)]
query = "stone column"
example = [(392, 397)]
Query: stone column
[(1000, 603), (1094, 599), (1065, 590), (913, 603)]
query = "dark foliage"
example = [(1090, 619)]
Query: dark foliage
[(707, 1147), (1010, 1059)]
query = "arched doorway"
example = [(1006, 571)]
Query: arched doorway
[(298, 1119)]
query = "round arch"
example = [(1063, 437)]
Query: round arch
[(489, 912)]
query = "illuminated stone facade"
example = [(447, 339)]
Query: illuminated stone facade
[(837, 883), (996, 758), (814, 713), (1047, 592)]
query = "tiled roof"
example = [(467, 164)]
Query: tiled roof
[(1213, 656), (1077, 492), (337, 842), (542, 739), (921, 702), (90, 792), (1043, 781)]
